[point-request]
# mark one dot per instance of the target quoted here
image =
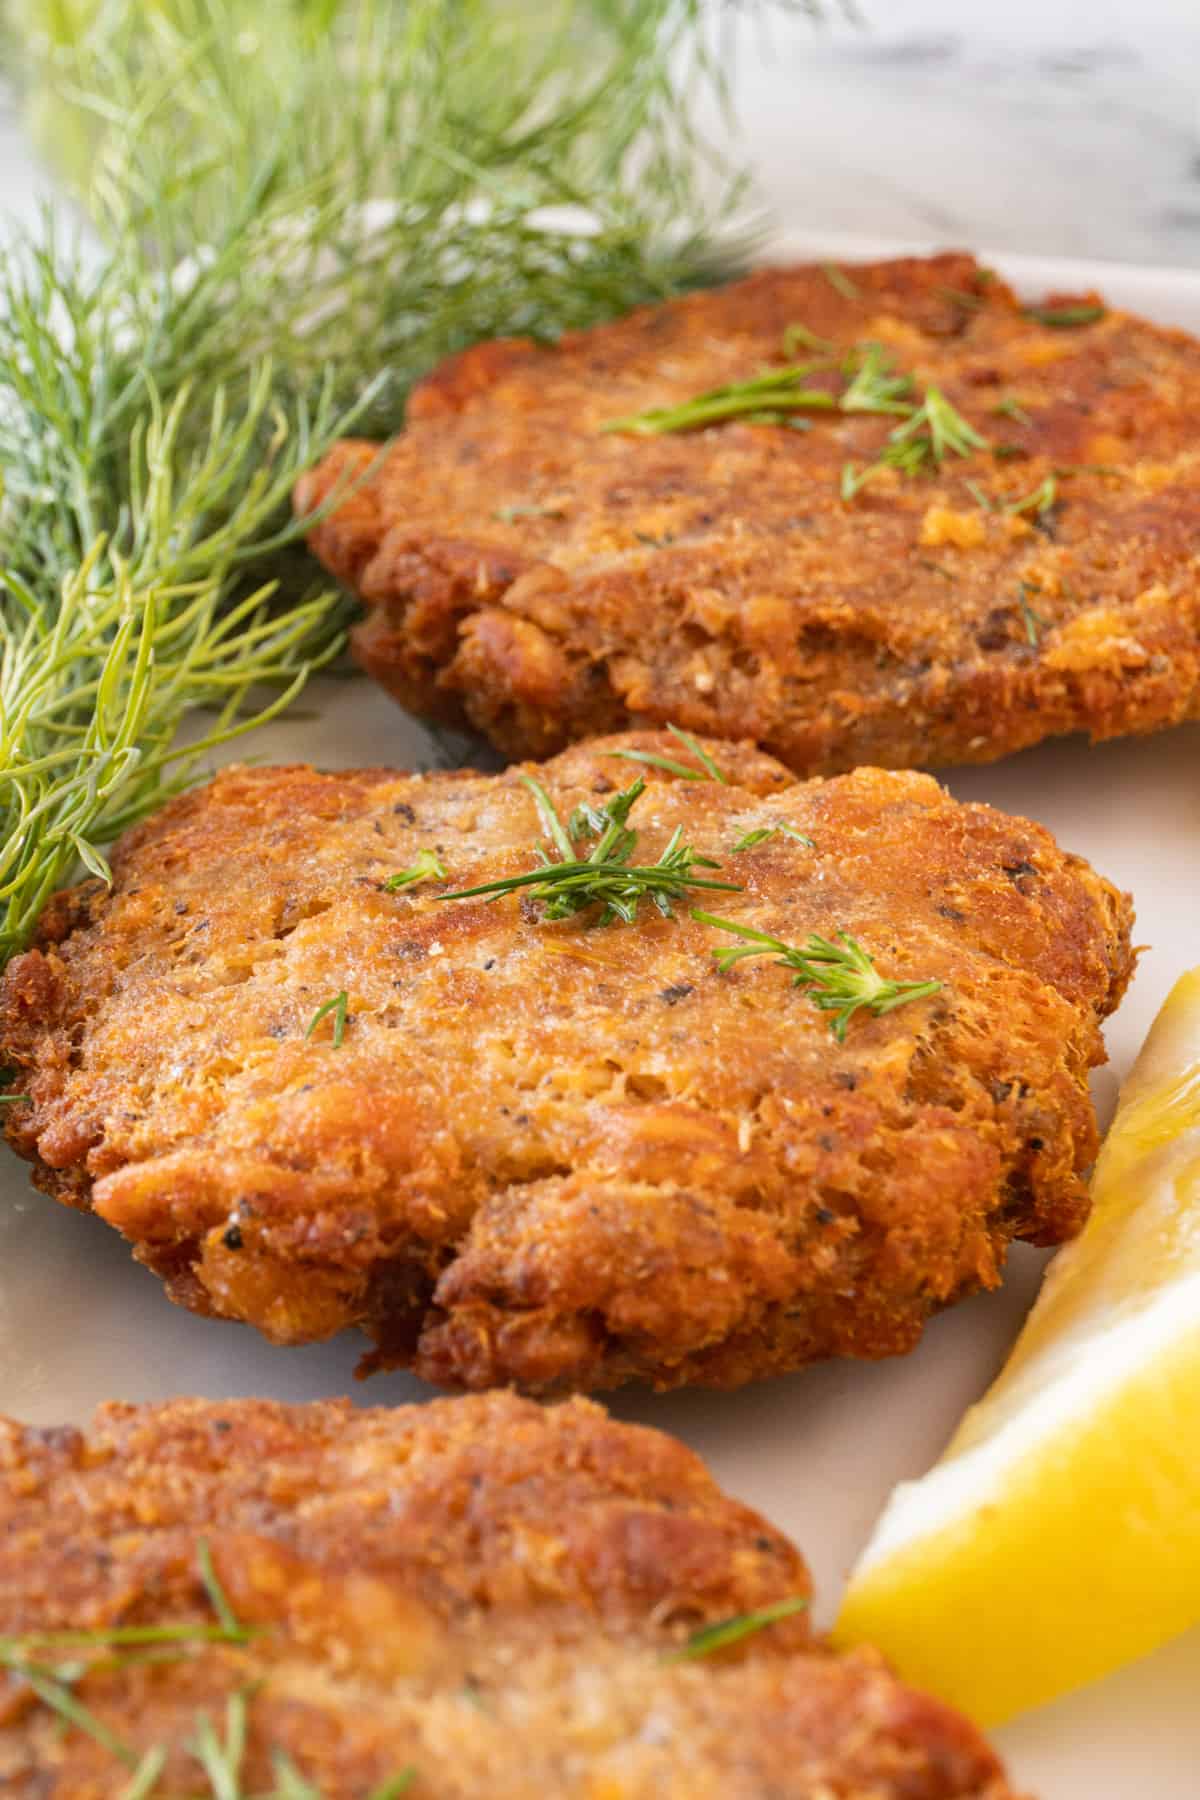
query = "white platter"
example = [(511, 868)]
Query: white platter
[(818, 1452)]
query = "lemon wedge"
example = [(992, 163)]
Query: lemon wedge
[(1059, 1535)]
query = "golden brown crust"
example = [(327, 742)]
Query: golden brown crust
[(546, 581), (481, 1590), (552, 1154)]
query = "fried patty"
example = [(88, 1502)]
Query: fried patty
[(542, 580), (480, 1591), (555, 1153)]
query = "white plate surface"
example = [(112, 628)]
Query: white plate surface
[(817, 1452)]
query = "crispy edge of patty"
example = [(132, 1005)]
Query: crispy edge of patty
[(683, 1236), (1012, 626), (482, 1590)]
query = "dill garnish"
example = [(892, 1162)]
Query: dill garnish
[(799, 335), (708, 770), (774, 396), (839, 978), (1064, 318), (1040, 501), (1010, 408), (840, 282), (35, 1660), (875, 387), (933, 430), (337, 1006), (779, 391), (217, 1597), (508, 515), (428, 867), (732, 1631), (764, 832), (282, 207), (607, 877), (958, 297), (939, 429), (11, 1099), (1034, 623)]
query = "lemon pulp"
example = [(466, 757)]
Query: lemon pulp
[(1059, 1535)]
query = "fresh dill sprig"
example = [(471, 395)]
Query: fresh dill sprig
[(798, 335), (781, 390), (876, 387), (289, 201), (839, 978), (769, 398), (839, 281), (708, 770), (388, 200), (1011, 408), (337, 1006), (428, 867), (764, 832), (939, 428), (218, 1599), (732, 1631), (40, 1660), (606, 878), (36, 1659), (1065, 318), (933, 431), (1033, 622), (108, 642), (930, 430), (1041, 500)]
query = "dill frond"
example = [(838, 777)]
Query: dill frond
[(607, 877), (732, 1631), (291, 196), (837, 977), (337, 1008), (428, 867), (708, 770)]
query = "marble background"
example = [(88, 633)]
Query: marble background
[(1064, 127), (1067, 127)]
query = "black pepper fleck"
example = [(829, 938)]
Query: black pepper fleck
[(233, 1238)]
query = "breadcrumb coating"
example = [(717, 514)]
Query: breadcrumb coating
[(480, 1591), (530, 574)]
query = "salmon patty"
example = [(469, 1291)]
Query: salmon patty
[(478, 1599), (542, 578), (519, 1148)]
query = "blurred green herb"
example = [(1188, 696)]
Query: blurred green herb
[(726, 1632), (1065, 318)]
